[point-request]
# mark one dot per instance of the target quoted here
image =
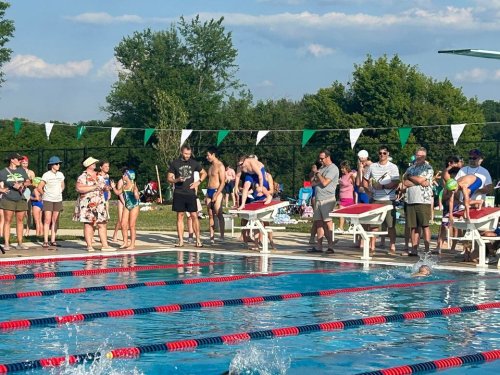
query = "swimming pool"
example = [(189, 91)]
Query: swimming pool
[(349, 351)]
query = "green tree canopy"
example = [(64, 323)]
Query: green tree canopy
[(6, 32)]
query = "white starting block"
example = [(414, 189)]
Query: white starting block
[(258, 213), (485, 219), (359, 214)]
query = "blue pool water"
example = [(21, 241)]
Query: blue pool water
[(336, 352)]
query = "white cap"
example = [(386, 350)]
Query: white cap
[(363, 154)]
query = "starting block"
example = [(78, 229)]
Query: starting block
[(359, 214), (256, 214), (485, 219)]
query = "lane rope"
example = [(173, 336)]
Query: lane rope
[(114, 287), (6, 263), (233, 338), (72, 318), (82, 273), (439, 364)]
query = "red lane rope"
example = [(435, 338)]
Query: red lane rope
[(80, 273), (63, 319), (113, 287), (133, 352), (217, 279), (439, 364), (5, 263)]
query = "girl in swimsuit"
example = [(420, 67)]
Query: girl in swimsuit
[(130, 195)]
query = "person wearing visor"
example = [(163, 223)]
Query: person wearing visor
[(130, 196), (15, 180), (51, 187)]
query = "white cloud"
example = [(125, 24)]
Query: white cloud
[(265, 83), (34, 67), (475, 75), (105, 18), (110, 69), (496, 75), (318, 50)]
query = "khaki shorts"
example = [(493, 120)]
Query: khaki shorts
[(52, 206), (8, 205), (390, 218), (322, 209), (418, 215)]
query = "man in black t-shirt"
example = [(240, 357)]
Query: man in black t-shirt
[(186, 174)]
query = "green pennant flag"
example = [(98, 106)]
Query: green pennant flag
[(17, 126), (147, 134), (306, 136), (404, 133), (79, 131), (221, 135)]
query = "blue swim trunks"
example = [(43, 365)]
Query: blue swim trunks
[(211, 192), (475, 185), (254, 178)]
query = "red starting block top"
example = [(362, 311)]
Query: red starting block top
[(260, 205), (359, 208), (479, 214)]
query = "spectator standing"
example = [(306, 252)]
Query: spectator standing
[(418, 183), (90, 207), (51, 187), (15, 180), (383, 177), (475, 168), (229, 186), (325, 183), (27, 193), (347, 182), (181, 173)]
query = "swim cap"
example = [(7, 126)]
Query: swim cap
[(36, 181), (451, 184)]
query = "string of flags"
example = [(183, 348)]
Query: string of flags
[(354, 134)]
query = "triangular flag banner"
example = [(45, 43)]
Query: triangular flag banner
[(79, 131), (48, 128), (404, 133), (147, 134), (221, 135), (306, 136), (17, 126), (185, 135), (354, 135), (261, 134), (456, 132), (114, 132)]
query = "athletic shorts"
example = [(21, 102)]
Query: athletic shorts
[(184, 203), (52, 206), (322, 209), (418, 215), (8, 205), (229, 187), (390, 218)]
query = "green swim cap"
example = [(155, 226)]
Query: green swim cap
[(451, 184), (36, 181)]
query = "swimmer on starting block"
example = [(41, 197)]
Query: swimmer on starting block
[(255, 176), (463, 189), (423, 271)]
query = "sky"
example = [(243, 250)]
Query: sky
[(62, 66)]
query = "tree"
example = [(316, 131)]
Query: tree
[(6, 32)]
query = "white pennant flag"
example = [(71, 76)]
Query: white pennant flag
[(456, 131), (48, 128), (261, 134), (185, 135), (114, 132), (354, 135)]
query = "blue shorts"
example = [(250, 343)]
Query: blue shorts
[(38, 204), (254, 178), (475, 185)]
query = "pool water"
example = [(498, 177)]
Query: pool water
[(350, 351)]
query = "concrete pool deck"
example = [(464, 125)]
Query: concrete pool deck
[(288, 245)]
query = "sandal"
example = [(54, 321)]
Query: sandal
[(178, 244), (330, 251), (314, 250), (54, 244), (45, 245), (198, 245)]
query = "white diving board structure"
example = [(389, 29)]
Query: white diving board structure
[(360, 214), (256, 214), (473, 53)]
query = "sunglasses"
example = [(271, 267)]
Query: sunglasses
[(383, 153)]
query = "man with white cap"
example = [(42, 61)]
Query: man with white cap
[(363, 163)]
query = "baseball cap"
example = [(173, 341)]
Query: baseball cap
[(475, 152), (363, 154)]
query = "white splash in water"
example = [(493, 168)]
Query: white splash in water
[(253, 360), (426, 260)]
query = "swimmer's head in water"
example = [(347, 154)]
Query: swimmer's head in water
[(425, 269)]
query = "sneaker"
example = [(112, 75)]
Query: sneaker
[(22, 247)]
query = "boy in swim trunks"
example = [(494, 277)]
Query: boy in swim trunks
[(216, 182), (255, 177)]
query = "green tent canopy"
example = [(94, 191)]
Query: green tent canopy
[(474, 53)]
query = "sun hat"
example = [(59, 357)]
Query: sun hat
[(54, 160), (89, 161), (451, 184), (363, 154)]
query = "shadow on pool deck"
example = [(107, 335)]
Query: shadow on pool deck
[(288, 245)]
